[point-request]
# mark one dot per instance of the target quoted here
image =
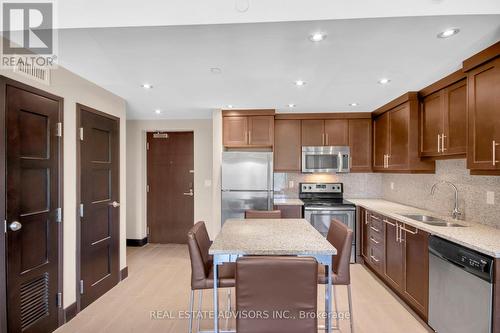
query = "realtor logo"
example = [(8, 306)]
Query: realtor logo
[(29, 38)]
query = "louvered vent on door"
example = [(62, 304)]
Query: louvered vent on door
[(34, 300), (37, 73)]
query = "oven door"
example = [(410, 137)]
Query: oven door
[(320, 219), (325, 159)]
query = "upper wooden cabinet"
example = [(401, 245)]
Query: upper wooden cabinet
[(329, 132), (443, 118), (396, 135), (287, 149), (246, 129), (360, 142), (483, 111)]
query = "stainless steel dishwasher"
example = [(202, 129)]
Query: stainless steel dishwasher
[(460, 288)]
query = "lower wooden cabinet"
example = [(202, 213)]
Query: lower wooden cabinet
[(289, 211), (399, 255)]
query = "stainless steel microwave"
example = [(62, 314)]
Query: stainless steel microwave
[(332, 159)]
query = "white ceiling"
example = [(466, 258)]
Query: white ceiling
[(260, 61)]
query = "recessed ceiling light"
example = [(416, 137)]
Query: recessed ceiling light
[(300, 83), (215, 70), (353, 104), (448, 33), (291, 105), (157, 111), (317, 37), (229, 106), (146, 86), (384, 81)]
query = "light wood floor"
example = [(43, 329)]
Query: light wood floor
[(159, 279)]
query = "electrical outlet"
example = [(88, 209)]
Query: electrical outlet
[(392, 185), (490, 197), (291, 184)]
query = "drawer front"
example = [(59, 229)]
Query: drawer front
[(377, 259), (376, 222), (376, 240)]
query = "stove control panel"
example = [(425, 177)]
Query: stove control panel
[(321, 188)]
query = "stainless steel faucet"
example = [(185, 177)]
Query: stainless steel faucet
[(456, 213)]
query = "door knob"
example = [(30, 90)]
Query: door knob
[(190, 193), (15, 226), (115, 204)]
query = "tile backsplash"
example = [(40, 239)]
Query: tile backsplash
[(414, 190), (356, 185)]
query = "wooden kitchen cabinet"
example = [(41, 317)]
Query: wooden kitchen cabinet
[(399, 255), (287, 146), (394, 254), (336, 132), (360, 142), (396, 137), (313, 132), (416, 269), (483, 110), (444, 120), (243, 129), (289, 211)]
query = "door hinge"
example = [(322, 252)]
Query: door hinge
[(147, 145), (59, 215), (59, 129), (81, 287), (59, 300), (147, 188), (81, 210), (81, 133)]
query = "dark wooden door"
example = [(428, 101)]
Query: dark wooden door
[(100, 188), (287, 147), (455, 120), (399, 120), (33, 199), (432, 120), (336, 132), (235, 131), (416, 285), (171, 191), (360, 142), (261, 131), (483, 98), (313, 132), (394, 255), (380, 140)]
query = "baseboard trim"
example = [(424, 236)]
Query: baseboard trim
[(70, 312), (137, 242), (124, 273)]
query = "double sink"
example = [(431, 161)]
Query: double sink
[(431, 220)]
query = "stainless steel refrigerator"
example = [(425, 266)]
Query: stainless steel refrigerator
[(247, 183)]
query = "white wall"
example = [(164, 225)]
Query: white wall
[(216, 173), (75, 89), (137, 176)]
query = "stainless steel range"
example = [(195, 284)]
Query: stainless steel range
[(324, 202)]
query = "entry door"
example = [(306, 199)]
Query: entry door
[(99, 213), (33, 157), (170, 182)]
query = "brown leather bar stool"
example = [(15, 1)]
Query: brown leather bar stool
[(340, 236), (202, 268), (274, 286), (262, 214)]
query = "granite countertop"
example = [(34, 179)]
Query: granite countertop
[(283, 201), (270, 237), (476, 236)]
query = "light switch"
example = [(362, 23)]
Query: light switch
[(290, 184), (490, 197), (208, 182), (392, 185)]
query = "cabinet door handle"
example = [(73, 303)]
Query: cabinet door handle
[(366, 217), (439, 143), (373, 240), (390, 223), (410, 231), (494, 148), (374, 229), (375, 218), (443, 149), (375, 259), (249, 137), (398, 233), (326, 139)]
